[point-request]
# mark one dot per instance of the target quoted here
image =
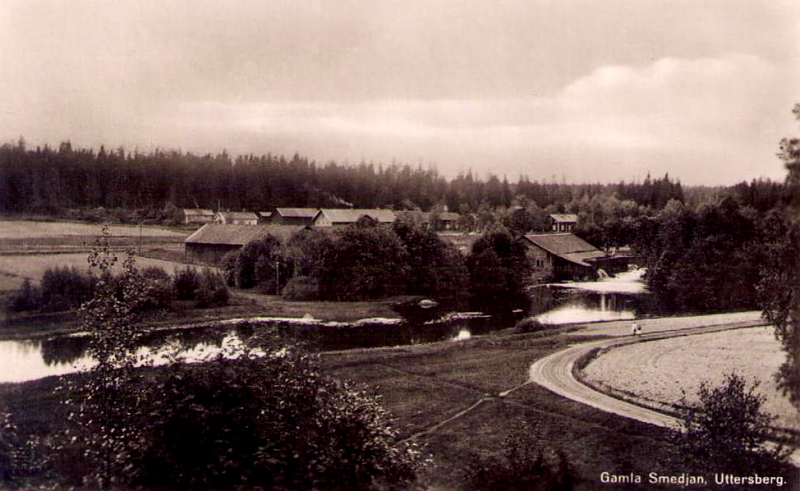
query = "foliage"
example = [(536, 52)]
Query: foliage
[(159, 288), (269, 422), (28, 297), (779, 288), (211, 290), (101, 185), (704, 260), (435, 267), (498, 268), (186, 282), (521, 467), (301, 288), (65, 288), (727, 431), (245, 274), (366, 262), (529, 324), (104, 415)]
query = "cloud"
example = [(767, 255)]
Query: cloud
[(672, 115)]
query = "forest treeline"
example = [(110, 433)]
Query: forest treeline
[(49, 181)]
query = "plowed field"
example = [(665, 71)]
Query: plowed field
[(659, 372)]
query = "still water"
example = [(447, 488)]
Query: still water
[(617, 298)]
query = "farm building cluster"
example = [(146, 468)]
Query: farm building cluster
[(557, 254)]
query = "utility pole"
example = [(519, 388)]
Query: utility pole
[(277, 275)]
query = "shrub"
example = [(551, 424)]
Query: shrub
[(159, 289), (727, 431), (230, 266), (271, 422), (521, 467), (28, 297), (301, 288), (65, 288), (530, 324), (187, 281), (211, 291)]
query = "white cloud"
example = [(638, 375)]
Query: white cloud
[(673, 115)]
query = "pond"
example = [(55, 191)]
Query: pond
[(617, 298)]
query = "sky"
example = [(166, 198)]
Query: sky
[(574, 90)]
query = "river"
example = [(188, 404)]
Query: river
[(622, 297)]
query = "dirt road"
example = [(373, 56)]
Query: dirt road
[(555, 372)]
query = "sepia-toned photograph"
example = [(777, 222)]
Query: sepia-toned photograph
[(385, 245)]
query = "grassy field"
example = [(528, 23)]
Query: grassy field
[(15, 269), (424, 385), (28, 229), (660, 371)]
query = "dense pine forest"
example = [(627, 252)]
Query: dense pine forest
[(47, 180)]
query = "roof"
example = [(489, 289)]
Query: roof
[(264, 214), (567, 246), (296, 212), (564, 218), (198, 211), (213, 233), (239, 215), (449, 216), (346, 215)]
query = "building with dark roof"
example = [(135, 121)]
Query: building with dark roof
[(294, 216), (562, 256), (563, 222), (210, 244), (332, 217)]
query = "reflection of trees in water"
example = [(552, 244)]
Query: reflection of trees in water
[(64, 350)]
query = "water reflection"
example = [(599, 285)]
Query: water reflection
[(611, 299), (617, 298)]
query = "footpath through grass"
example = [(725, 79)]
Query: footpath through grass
[(424, 385)]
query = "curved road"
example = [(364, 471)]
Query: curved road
[(554, 372)]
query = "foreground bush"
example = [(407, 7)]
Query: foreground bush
[(727, 430), (521, 467), (267, 422)]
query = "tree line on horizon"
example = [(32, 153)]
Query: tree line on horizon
[(48, 181)]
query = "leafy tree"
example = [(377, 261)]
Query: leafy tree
[(727, 430), (498, 268), (366, 262), (779, 288), (104, 413), (268, 422), (435, 267)]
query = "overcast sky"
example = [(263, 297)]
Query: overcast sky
[(587, 90)]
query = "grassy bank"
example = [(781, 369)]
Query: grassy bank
[(242, 304)]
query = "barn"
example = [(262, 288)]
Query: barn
[(332, 217), (197, 216), (236, 218), (210, 244), (294, 216), (562, 256)]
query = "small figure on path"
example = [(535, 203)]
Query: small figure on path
[(634, 329)]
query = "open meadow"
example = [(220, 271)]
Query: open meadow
[(16, 269), (661, 372), (28, 229)]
